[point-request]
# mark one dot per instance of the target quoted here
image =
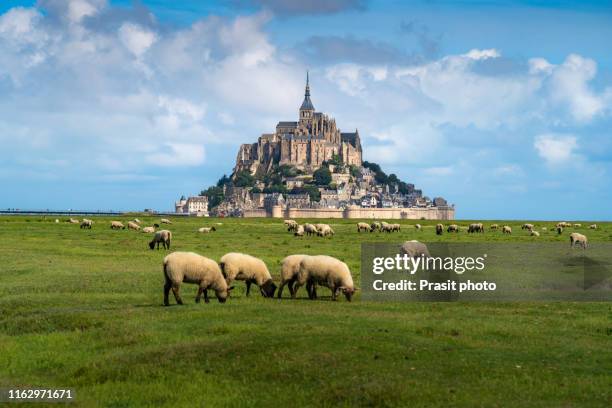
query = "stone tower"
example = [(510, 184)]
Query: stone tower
[(307, 109)]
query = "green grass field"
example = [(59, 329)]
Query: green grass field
[(83, 309)]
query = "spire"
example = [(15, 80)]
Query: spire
[(307, 104)]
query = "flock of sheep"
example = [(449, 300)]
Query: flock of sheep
[(296, 270)]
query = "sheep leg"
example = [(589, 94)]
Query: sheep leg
[(206, 300), (248, 287), (177, 296), (291, 285), (280, 289), (167, 287), (334, 291), (199, 294), (295, 289)]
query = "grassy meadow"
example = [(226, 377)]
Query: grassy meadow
[(82, 309)]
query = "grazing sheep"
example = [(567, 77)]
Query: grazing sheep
[(86, 223), (299, 232), (527, 226), (506, 229), (534, 233), (578, 239), (206, 230), (148, 230), (325, 230), (414, 249), (375, 226), (326, 271), (417, 226), (165, 221), (156, 225), (133, 226), (190, 267), (117, 225), (290, 268), (559, 229), (137, 221), (396, 227), (74, 221), (291, 225), (577, 225), (453, 228), (310, 229), (237, 266), (593, 226), (494, 226), (439, 229), (563, 224), (363, 226), (477, 227), (163, 236)]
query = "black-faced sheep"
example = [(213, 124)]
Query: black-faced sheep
[(593, 226), (362, 226), (190, 267), (324, 230), (494, 227), (117, 225), (578, 239), (506, 229), (326, 271), (439, 229), (162, 236), (133, 226), (453, 228), (477, 227), (310, 229), (237, 266), (375, 226), (527, 226), (534, 233), (290, 268), (86, 223), (299, 232)]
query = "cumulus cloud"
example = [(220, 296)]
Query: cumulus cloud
[(555, 149)]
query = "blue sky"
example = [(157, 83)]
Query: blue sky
[(504, 108)]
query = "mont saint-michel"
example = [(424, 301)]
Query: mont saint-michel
[(309, 168)]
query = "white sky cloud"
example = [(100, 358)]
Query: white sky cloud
[(555, 149)]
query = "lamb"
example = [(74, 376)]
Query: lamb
[(299, 232), (148, 230), (237, 266), (165, 221), (325, 230), (534, 233), (439, 229), (133, 226), (206, 230), (163, 236), (593, 226), (190, 267), (310, 229), (506, 229), (417, 226), (290, 267), (117, 225), (363, 226), (578, 239), (86, 223), (453, 228), (414, 249), (326, 271)]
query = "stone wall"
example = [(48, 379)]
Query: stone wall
[(431, 213)]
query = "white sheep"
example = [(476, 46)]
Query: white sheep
[(577, 225), (290, 268), (165, 221), (163, 236), (74, 221), (237, 266), (534, 233), (527, 226), (439, 229), (148, 230), (300, 231), (206, 230), (137, 221), (57, 221), (396, 227), (190, 267), (417, 227), (507, 229), (453, 228), (86, 223), (326, 271), (593, 226), (291, 225), (133, 226), (414, 249), (325, 230), (578, 239), (117, 225), (363, 226), (494, 226), (310, 229)]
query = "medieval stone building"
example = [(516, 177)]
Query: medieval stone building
[(305, 143)]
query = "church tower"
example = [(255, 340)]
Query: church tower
[(307, 109)]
